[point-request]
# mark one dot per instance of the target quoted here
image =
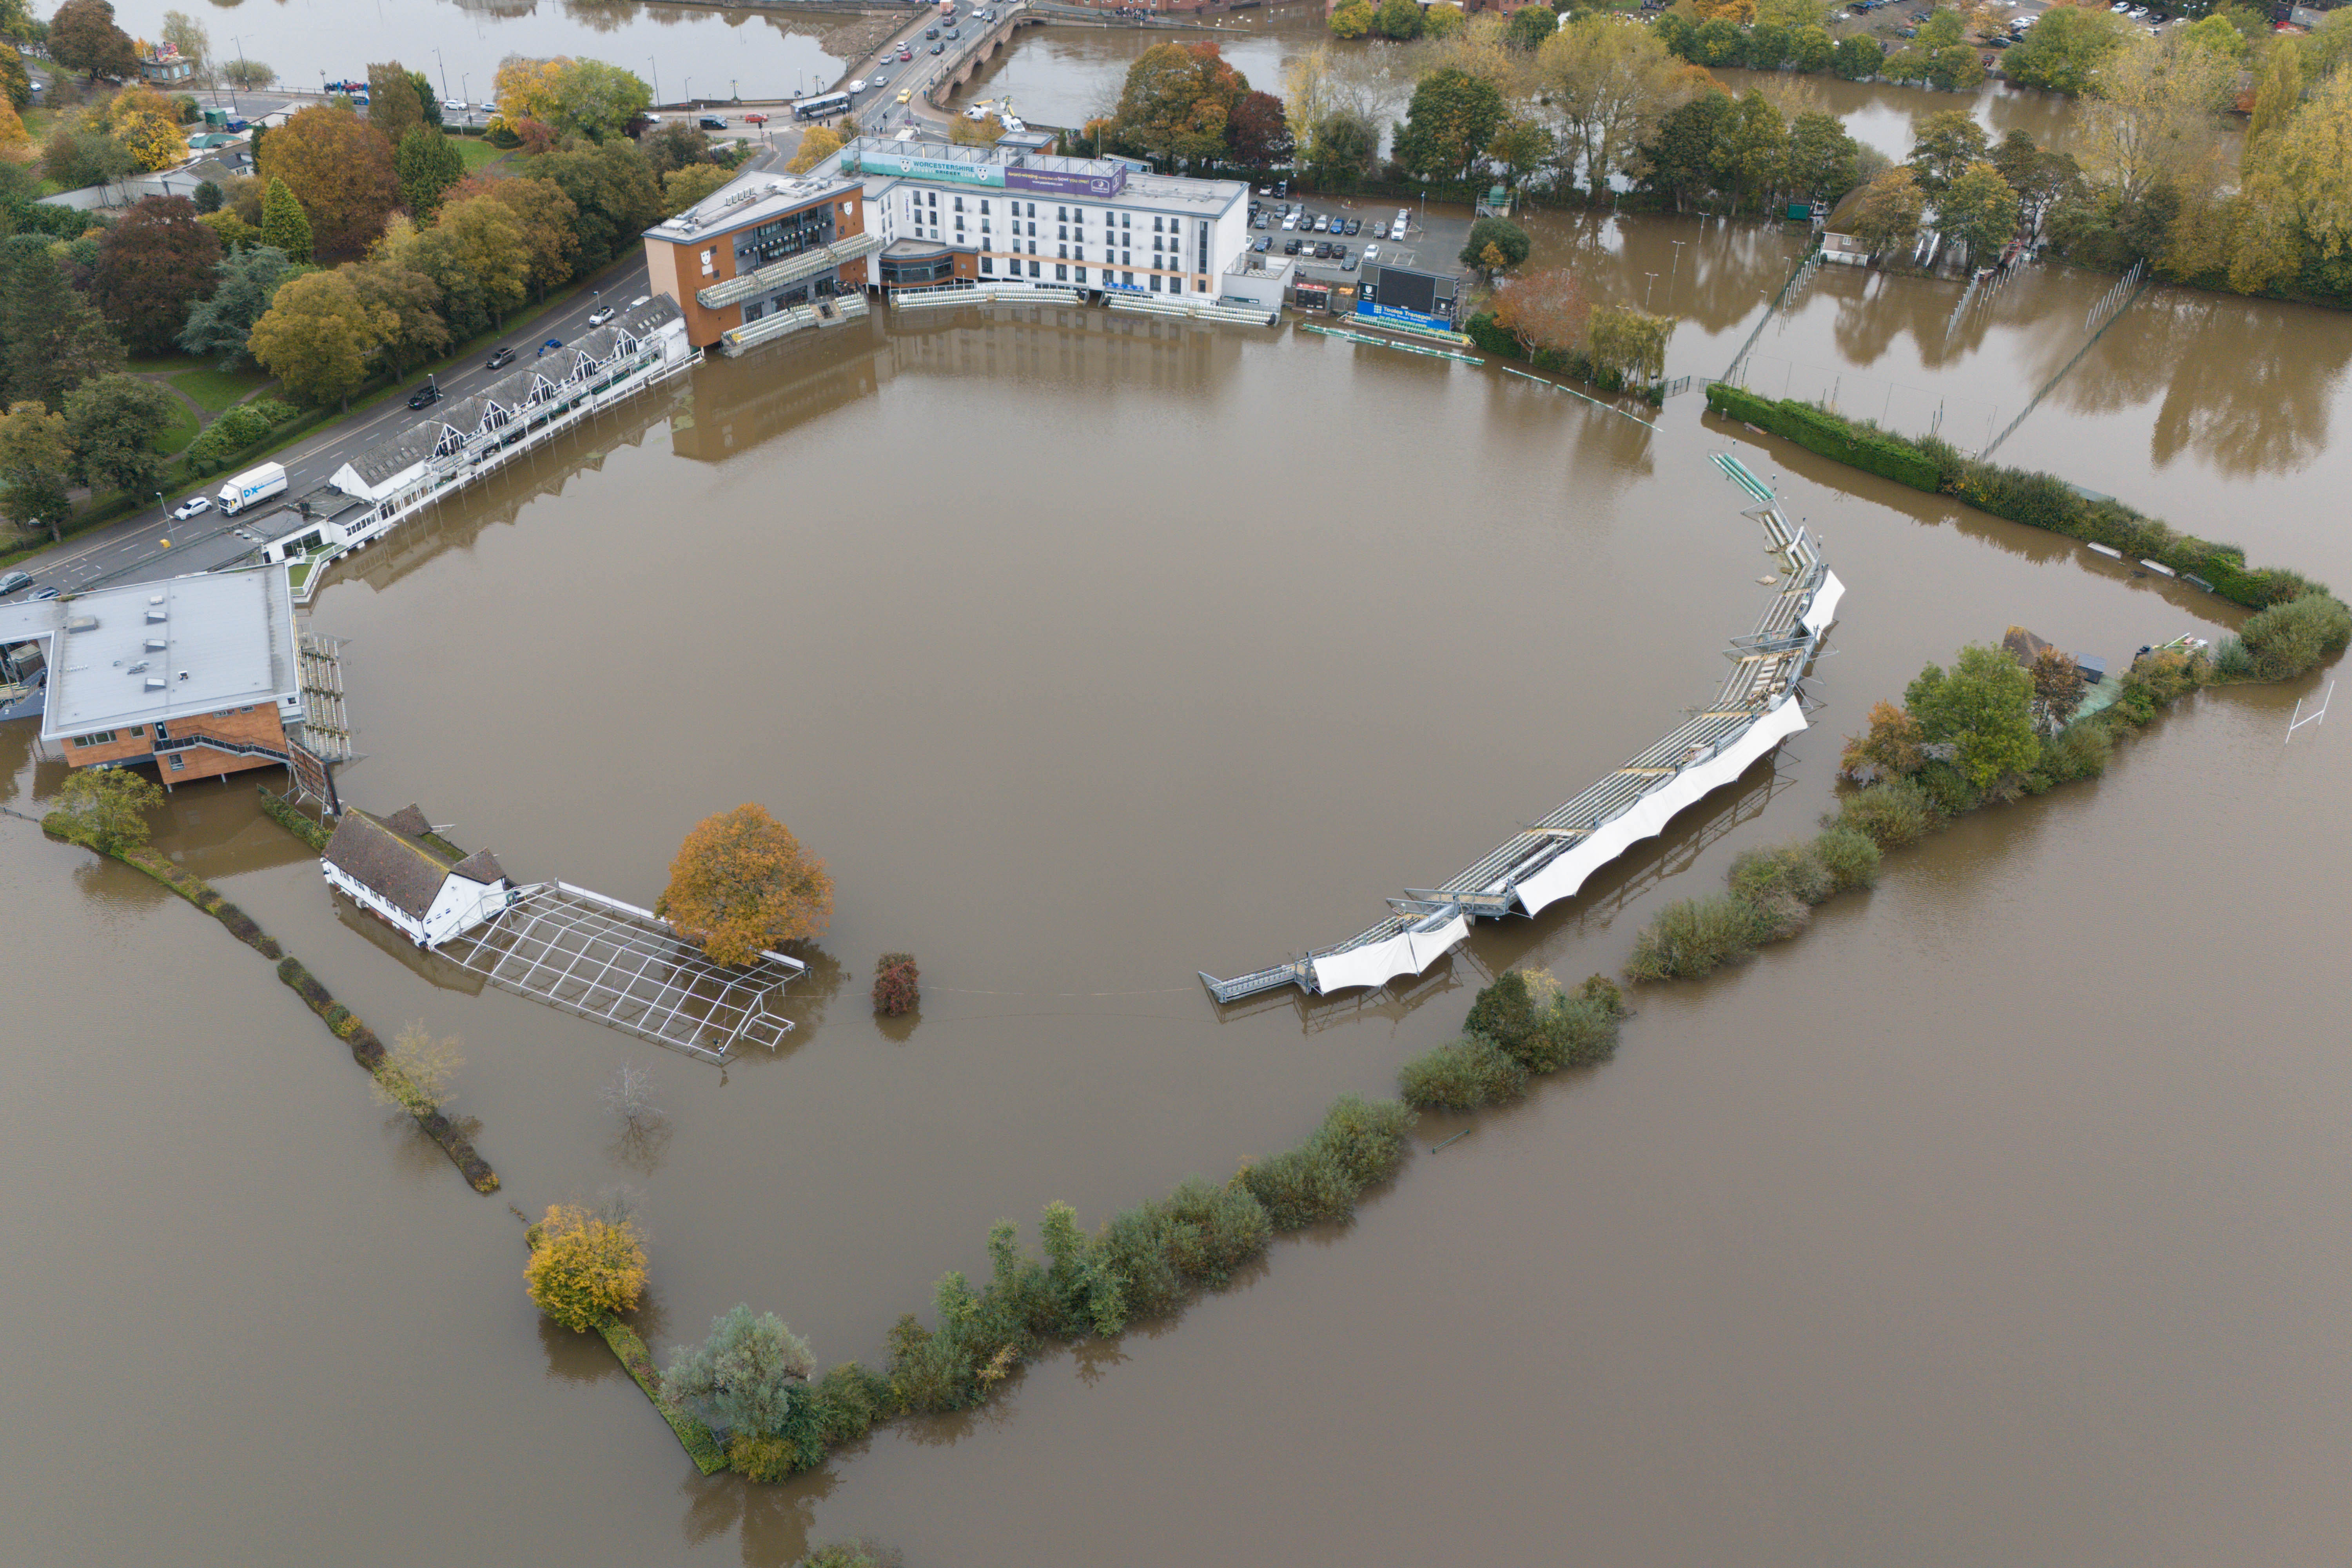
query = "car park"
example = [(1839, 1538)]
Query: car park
[(424, 396), (192, 507), (500, 358)]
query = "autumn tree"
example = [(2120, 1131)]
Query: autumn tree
[(544, 217), (1944, 145), (107, 808), (741, 883), (2064, 49), (318, 337), (393, 106), (428, 163), (2154, 113), (587, 99), (584, 1267), (219, 325), (1495, 244), (1888, 217), (35, 457), (1979, 209), (966, 131), (285, 226), (525, 89), (1630, 342), (341, 169), (420, 1071), (153, 265), (1983, 707), (479, 239), (1261, 131), (1451, 118), (1547, 309), (83, 37), (744, 1378), (17, 81), (113, 423), (819, 142), (681, 188), (1177, 102), (2057, 686), (1610, 85), (1352, 18), (1887, 748), (402, 296)]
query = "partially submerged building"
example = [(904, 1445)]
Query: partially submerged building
[(393, 867), (201, 675)]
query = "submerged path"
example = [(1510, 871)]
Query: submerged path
[(1757, 707)]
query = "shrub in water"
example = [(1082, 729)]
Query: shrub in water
[(1692, 937), (1211, 1231), (1950, 791), (1300, 1187), (1790, 869), (1462, 1075), (1851, 858), (1366, 1137), (1134, 1249), (2080, 751), (2292, 638), (1603, 994), (1579, 1030), (847, 1401), (898, 985), (1504, 1011), (1890, 814)]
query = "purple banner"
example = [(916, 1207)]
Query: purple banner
[(1047, 182)]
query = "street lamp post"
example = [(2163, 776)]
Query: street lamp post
[(1678, 257), (240, 42), (656, 65), (445, 72), (689, 93), (1645, 293)]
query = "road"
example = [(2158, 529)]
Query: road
[(150, 545)]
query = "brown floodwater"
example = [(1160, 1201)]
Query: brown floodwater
[(1995, 1219)]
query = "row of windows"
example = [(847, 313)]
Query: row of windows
[(921, 202), (1065, 273)]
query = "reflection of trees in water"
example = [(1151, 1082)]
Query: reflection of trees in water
[(505, 10), (1726, 271), (773, 1522), (2264, 407), (602, 16)]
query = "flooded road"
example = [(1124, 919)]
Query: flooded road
[(1993, 1220)]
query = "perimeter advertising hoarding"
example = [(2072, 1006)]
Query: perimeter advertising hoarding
[(1049, 183), (1408, 318)]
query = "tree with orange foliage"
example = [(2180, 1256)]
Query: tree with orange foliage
[(1888, 747), (341, 169), (584, 1267), (742, 883), (1545, 309), (1740, 13)]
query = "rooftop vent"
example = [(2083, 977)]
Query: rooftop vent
[(154, 598), (155, 645), (157, 617), (156, 683), (82, 622)]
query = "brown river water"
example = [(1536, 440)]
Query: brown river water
[(1996, 1219)]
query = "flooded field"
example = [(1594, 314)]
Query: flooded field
[(1993, 1220)]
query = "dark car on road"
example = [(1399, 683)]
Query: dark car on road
[(500, 360), (712, 122), (424, 396)]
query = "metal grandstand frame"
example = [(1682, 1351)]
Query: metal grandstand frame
[(624, 967)]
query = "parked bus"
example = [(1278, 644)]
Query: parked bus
[(822, 107)]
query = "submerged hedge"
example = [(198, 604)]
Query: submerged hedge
[(2037, 500)]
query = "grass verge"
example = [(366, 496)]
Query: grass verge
[(638, 1363)]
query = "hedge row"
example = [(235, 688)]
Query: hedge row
[(700, 1446), (369, 1052), (188, 885), (1483, 330), (2036, 499), (281, 812)]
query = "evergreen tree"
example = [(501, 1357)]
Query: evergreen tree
[(429, 164), (284, 225)]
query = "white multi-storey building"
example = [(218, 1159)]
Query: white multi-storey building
[(1007, 215)]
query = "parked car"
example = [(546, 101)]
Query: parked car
[(500, 358), (1289, 221), (424, 396), (15, 580), (454, 105), (1354, 226), (192, 507), (1348, 264), (1322, 250), (1262, 247), (1372, 253), (598, 318), (40, 593), (1290, 247)]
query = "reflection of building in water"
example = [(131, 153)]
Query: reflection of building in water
[(733, 405), (456, 524), (1073, 344)]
